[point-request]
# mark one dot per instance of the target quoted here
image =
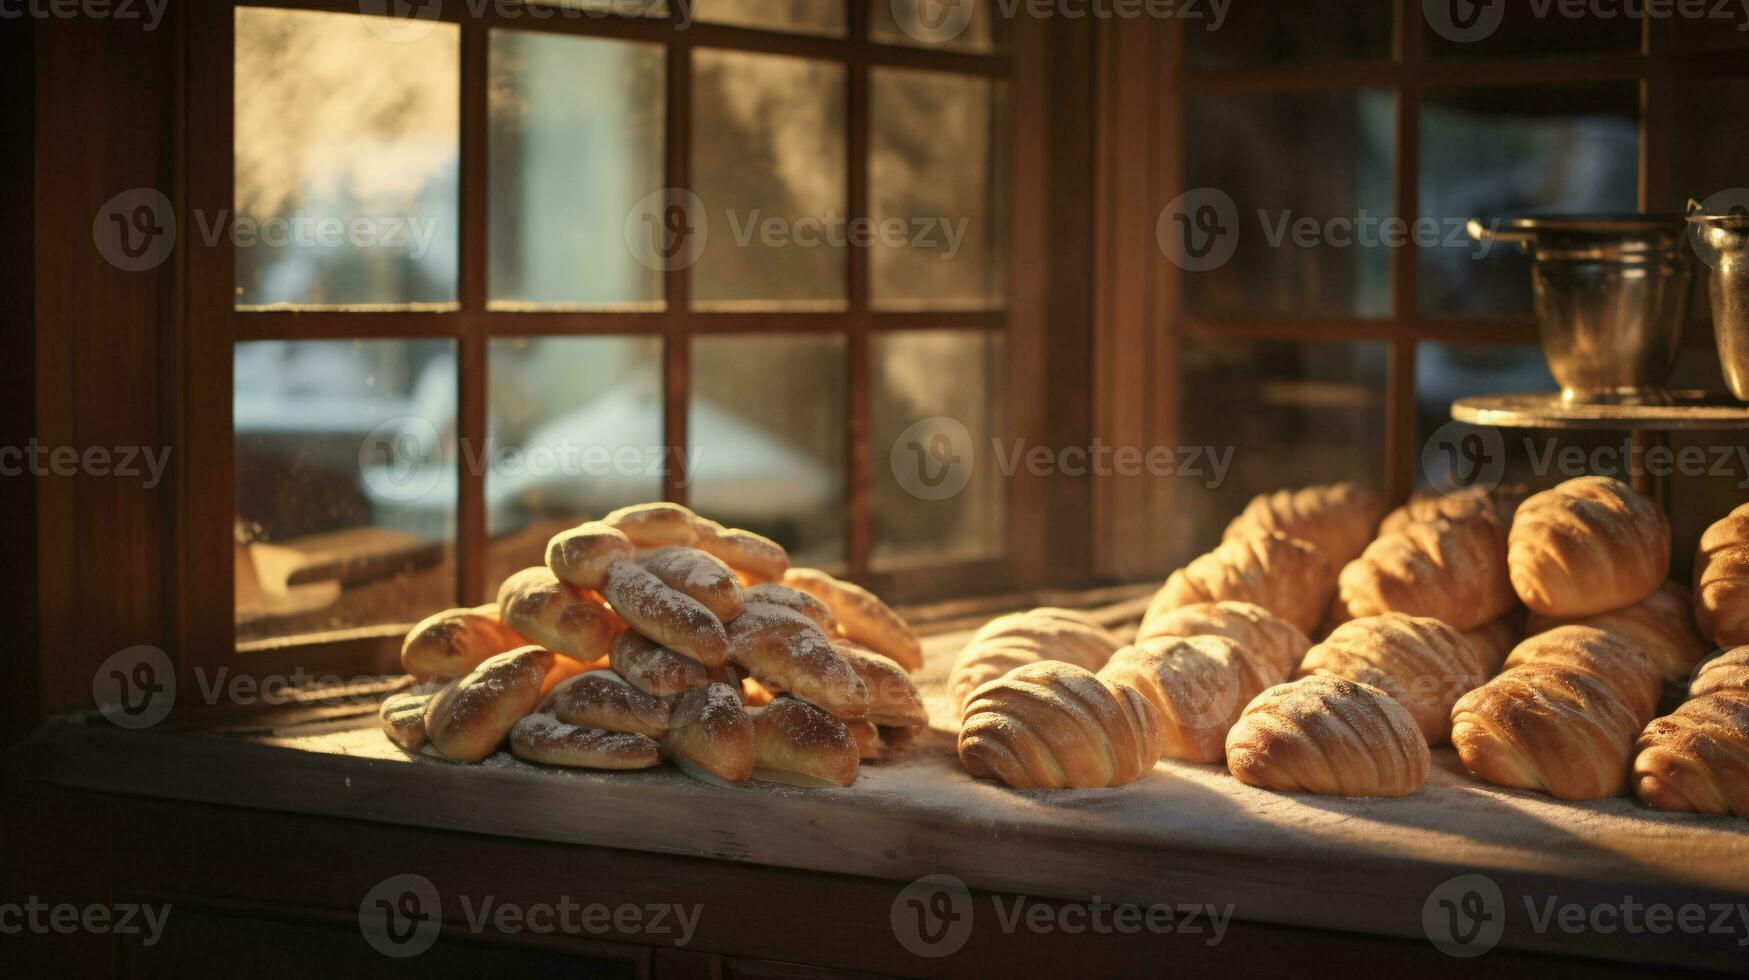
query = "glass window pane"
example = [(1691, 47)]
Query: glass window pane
[(576, 143), (955, 25), (1709, 141), (826, 17), (345, 160), (936, 411), (765, 427), (1277, 34), (1498, 152), (1306, 240), (575, 429), (938, 191), (1446, 372), (346, 484), (768, 166), (1486, 29), (1708, 27)]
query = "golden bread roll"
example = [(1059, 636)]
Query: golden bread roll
[(1696, 760), (1452, 571), (1427, 506), (580, 556), (1721, 580), (892, 698), (1661, 624), (452, 643), (603, 699), (656, 525), (1493, 641), (560, 617), (775, 594), (470, 717), (694, 573), (757, 558), (1053, 725), (673, 619), (1336, 518), (861, 616), (802, 745), (870, 747), (1422, 663), (1280, 643), (1328, 735), (1286, 576), (1588, 546), (403, 718), (1022, 638), (785, 651), (545, 739), (710, 736), (1726, 671), (1552, 722), (653, 668), (1612, 659), (1199, 684)]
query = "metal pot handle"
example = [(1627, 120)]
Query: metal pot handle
[(1483, 233)]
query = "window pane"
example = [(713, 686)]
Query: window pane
[(346, 484), (1486, 29), (796, 16), (576, 144), (959, 25), (768, 167), (938, 191), (1277, 34), (346, 160), (1718, 25), (1710, 142), (1446, 372), (1250, 154), (1498, 152), (765, 434), (936, 412), (576, 431)]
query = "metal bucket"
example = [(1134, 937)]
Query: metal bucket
[(1723, 243), (1611, 299)]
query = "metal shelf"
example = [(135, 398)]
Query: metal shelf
[(1689, 411)]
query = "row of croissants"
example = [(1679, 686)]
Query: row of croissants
[(1535, 634), (656, 634)]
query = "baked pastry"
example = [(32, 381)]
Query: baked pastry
[(861, 615), (1696, 760), (470, 717), (1426, 506), (710, 736), (1588, 546), (1053, 725), (1721, 580), (673, 619), (1199, 684), (558, 616), (757, 558), (653, 668), (691, 572), (802, 745), (786, 652), (1728, 670), (580, 556), (1329, 735), (655, 525), (403, 718), (1022, 638), (892, 698), (777, 594), (1286, 576), (755, 694), (1493, 641), (1422, 663), (545, 739), (452, 643), (1336, 518), (1452, 571), (1551, 721), (1661, 624), (870, 746), (603, 699), (1278, 642)]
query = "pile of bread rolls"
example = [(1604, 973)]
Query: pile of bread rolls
[(1423, 616), (656, 634)]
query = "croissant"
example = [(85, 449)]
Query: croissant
[(1422, 663), (1277, 641), (1337, 518), (861, 615), (1588, 546), (1696, 760), (1329, 735), (1022, 638), (1721, 580), (471, 716), (1493, 641), (1053, 725), (1726, 671), (1199, 684), (1452, 571), (1286, 576), (1661, 624), (1547, 726), (1427, 506), (452, 643), (1613, 659)]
